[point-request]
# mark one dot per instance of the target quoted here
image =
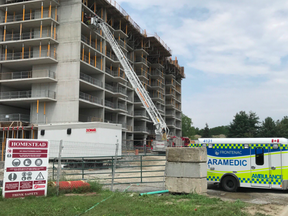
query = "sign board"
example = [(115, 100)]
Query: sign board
[(26, 168)]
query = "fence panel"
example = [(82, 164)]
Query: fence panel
[(129, 169)]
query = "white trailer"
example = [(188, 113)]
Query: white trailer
[(91, 139)]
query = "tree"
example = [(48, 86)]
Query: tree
[(244, 125), (187, 129), (268, 128), (282, 128), (219, 130), (206, 132)]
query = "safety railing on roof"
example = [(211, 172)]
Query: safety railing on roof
[(135, 25)]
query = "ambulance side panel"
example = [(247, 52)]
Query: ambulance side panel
[(229, 159)]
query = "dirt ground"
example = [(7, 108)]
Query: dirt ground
[(265, 201)]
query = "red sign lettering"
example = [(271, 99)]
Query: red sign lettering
[(91, 130)]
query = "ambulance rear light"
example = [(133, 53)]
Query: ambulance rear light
[(275, 146), (210, 145), (246, 146), (204, 145)]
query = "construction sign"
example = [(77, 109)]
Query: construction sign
[(26, 168)]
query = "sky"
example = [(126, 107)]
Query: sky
[(235, 54)]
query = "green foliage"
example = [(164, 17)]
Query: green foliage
[(206, 132), (282, 127), (268, 128), (219, 130), (244, 125), (187, 129)]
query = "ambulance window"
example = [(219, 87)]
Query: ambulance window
[(259, 156)]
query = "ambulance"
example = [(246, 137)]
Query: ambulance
[(247, 162)]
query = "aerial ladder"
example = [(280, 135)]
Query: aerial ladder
[(161, 130)]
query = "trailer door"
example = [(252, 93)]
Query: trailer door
[(260, 167)]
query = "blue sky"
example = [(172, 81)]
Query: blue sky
[(235, 54)]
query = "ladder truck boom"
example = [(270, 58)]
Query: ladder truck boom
[(161, 127)]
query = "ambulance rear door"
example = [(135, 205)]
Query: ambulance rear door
[(260, 167)]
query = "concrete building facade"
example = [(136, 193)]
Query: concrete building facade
[(55, 69)]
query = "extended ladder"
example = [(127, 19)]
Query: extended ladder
[(161, 127)]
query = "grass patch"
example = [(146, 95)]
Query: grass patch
[(121, 204)]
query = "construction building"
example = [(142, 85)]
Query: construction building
[(55, 69)]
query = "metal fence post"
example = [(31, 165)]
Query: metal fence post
[(114, 165), (141, 169), (59, 166), (83, 166), (53, 172)]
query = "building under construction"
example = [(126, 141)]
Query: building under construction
[(55, 69)]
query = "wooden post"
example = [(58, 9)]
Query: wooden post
[(83, 53), (89, 57), (40, 49), (6, 14), (41, 29), (101, 63), (50, 8), (41, 10), (23, 12), (48, 52), (23, 51), (6, 52), (20, 34), (56, 15), (4, 36), (55, 32)]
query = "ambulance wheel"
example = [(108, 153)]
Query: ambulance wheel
[(229, 183)]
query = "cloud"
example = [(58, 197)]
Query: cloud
[(234, 53)]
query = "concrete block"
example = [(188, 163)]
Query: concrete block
[(186, 185), (2, 164), (186, 170), (187, 155)]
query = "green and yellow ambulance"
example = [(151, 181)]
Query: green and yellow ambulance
[(247, 162)]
